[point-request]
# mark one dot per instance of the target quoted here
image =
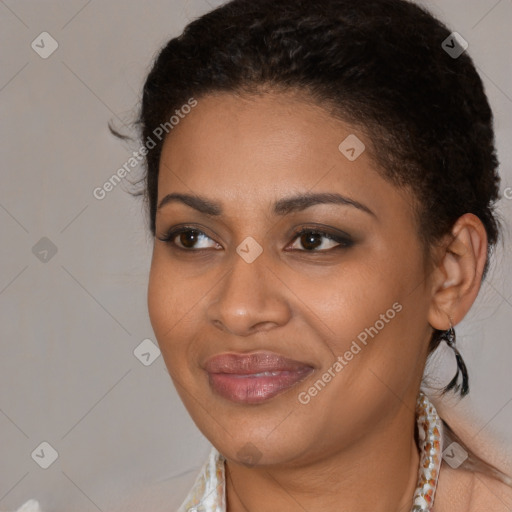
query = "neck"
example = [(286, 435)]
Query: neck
[(377, 473)]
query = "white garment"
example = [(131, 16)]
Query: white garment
[(209, 491)]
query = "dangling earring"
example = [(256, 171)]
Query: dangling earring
[(449, 337)]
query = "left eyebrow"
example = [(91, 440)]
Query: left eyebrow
[(303, 201), (281, 207)]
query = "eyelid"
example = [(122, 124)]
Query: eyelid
[(344, 240), (173, 232)]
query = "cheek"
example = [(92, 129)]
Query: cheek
[(176, 307), (370, 311), (168, 303), (341, 303), (160, 303)]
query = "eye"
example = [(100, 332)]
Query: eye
[(186, 238), (311, 240)]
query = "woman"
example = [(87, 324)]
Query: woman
[(321, 178)]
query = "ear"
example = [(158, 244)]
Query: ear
[(458, 274)]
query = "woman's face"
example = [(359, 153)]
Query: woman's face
[(285, 348)]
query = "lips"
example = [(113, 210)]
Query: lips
[(254, 378)]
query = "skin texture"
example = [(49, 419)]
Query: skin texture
[(351, 448)]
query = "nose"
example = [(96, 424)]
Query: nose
[(250, 298)]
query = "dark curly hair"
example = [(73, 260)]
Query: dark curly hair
[(380, 65)]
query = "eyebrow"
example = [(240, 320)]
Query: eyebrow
[(282, 207)]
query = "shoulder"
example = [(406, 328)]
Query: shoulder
[(462, 490), (490, 494)]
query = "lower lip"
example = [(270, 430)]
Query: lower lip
[(254, 388)]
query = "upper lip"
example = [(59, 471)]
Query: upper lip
[(256, 362)]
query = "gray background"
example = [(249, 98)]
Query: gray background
[(70, 325)]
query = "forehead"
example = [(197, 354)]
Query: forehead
[(252, 149)]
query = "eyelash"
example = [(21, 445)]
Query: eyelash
[(344, 241)]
